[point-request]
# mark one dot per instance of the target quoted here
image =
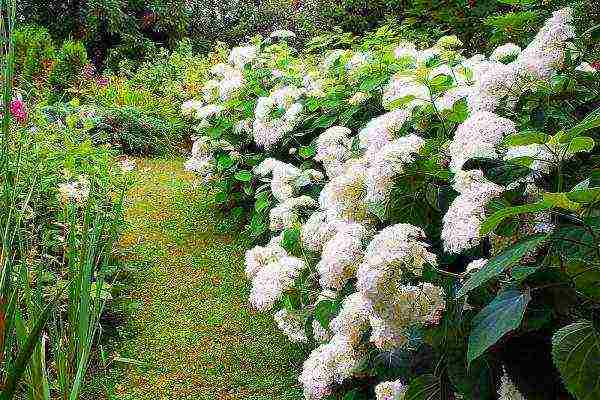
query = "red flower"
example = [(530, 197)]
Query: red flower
[(596, 65), (18, 110)]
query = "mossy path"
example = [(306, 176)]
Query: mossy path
[(188, 330)]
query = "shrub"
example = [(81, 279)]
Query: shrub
[(71, 59), (425, 254), (34, 53)]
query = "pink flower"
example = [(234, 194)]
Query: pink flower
[(102, 81), (88, 71), (18, 110)]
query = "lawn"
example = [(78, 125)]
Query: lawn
[(189, 332)]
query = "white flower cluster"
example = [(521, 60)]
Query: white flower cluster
[(333, 150), (508, 390), (393, 390), (75, 191), (268, 129), (361, 170), (291, 325)]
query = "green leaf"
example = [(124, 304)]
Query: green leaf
[(576, 353), (262, 202), (221, 197), (224, 161), (498, 171), (243, 176), (325, 311), (495, 266), (588, 196), (424, 387), (503, 315), (591, 121), (494, 220), (307, 152), (581, 144), (325, 121), (526, 138), (291, 239)]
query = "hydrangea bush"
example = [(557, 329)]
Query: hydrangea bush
[(427, 211)]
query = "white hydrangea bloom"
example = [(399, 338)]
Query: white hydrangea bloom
[(327, 365), (406, 50), (341, 255), (342, 197), (358, 98), (405, 306), (505, 52), (380, 130), (476, 265), (319, 332), (292, 325), (508, 390), (271, 281), (462, 222), (230, 84), (546, 53), (190, 107), (393, 250), (240, 56), (282, 34), (402, 86), (333, 149), (393, 390), (316, 231), (353, 319), (286, 214), (478, 136), (387, 163), (258, 257), (220, 69), (446, 101)]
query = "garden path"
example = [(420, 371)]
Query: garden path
[(187, 320)]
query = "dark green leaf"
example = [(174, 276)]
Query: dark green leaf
[(424, 387), (492, 222), (503, 315), (576, 354), (495, 266), (591, 121), (307, 152), (498, 171)]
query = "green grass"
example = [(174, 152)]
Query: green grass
[(188, 321)]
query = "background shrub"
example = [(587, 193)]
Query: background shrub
[(71, 59)]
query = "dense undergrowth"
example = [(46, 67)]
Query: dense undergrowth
[(419, 180)]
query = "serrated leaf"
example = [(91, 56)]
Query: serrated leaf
[(307, 152), (498, 171), (560, 200), (526, 138), (243, 176), (576, 354), (325, 311), (581, 144), (494, 220), (584, 195), (495, 266), (503, 315), (591, 121)]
